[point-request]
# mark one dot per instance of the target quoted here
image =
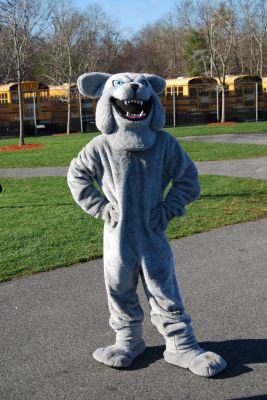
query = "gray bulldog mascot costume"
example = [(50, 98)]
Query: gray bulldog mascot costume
[(133, 161)]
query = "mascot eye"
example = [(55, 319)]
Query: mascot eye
[(118, 83), (144, 83)]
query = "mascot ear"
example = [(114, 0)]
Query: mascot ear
[(158, 84), (92, 84)]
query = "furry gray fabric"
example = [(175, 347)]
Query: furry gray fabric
[(126, 134), (198, 361), (121, 354), (133, 162)]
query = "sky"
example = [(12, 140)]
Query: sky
[(132, 15)]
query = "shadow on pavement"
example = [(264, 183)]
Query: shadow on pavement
[(260, 397), (238, 353), (150, 356)]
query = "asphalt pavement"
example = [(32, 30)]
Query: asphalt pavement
[(247, 138), (33, 171), (50, 324), (251, 167)]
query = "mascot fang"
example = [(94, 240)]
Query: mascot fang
[(133, 161)]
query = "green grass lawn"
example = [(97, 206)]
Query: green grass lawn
[(217, 129), (61, 149), (42, 228)]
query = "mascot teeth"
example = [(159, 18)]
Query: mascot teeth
[(133, 109), (142, 114), (126, 102)]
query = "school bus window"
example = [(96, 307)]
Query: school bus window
[(259, 89), (28, 99), (15, 98), (213, 92), (43, 99), (203, 91), (169, 92), (249, 89), (192, 92), (238, 91), (180, 91), (2, 98)]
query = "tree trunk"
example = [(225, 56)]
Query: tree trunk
[(223, 104), (69, 111), (21, 119), (261, 59)]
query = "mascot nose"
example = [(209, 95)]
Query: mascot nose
[(134, 86)]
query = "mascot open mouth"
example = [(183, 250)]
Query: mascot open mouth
[(134, 110)]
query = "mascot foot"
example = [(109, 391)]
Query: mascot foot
[(200, 362), (121, 354)]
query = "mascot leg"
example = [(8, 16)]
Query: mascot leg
[(126, 314), (168, 315)]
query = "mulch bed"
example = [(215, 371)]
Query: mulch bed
[(22, 147)]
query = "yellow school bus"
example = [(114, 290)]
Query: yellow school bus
[(82, 108), (243, 97), (190, 100), (44, 107), (35, 103), (198, 99)]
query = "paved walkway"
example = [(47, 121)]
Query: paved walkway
[(50, 324), (251, 167), (34, 171), (248, 138)]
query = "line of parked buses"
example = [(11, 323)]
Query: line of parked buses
[(185, 100)]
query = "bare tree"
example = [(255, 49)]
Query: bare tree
[(103, 40), (219, 25), (76, 43), (6, 65), (62, 58), (151, 49), (21, 22), (109, 47), (185, 12), (255, 14)]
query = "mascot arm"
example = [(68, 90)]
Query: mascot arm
[(185, 184), (81, 178), (185, 189)]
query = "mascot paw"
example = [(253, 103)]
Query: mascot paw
[(110, 214), (120, 355), (207, 364), (200, 362)]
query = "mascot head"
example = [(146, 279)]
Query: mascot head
[(129, 109)]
